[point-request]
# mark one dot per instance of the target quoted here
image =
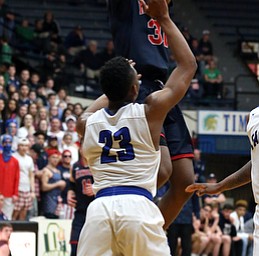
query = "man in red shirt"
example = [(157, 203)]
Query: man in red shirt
[(9, 176)]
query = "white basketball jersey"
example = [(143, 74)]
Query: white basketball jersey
[(120, 150), (253, 134)]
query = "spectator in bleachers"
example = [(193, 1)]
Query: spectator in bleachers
[(67, 112), (53, 112), (3, 217), (34, 80), (27, 128), (2, 116), (68, 144), (199, 57), (22, 111), (5, 233), (7, 20), (214, 200), (41, 94), (26, 184), (12, 78), (199, 166), (209, 224), (3, 94), (6, 52), (78, 109), (52, 99), (50, 25), (195, 92), (71, 127), (41, 38), (206, 46), (61, 97), (65, 166), (52, 143), (24, 95), (32, 109), (24, 36), (33, 97), (213, 81), (55, 130), (51, 185), (108, 52), (200, 239), (75, 41), (11, 129), (24, 76), (9, 176), (11, 109), (238, 220), (227, 228), (187, 35), (41, 138), (90, 61)]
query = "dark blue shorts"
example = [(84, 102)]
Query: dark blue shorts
[(77, 225), (176, 132)]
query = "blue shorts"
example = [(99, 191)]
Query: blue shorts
[(77, 224), (176, 132)]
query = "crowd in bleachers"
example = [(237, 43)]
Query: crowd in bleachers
[(38, 120)]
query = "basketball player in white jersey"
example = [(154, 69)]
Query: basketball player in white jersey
[(121, 144), (249, 172)]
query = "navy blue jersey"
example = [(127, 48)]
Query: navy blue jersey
[(81, 174), (138, 37)]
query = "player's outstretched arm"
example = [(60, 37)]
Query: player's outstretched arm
[(180, 79), (235, 180)]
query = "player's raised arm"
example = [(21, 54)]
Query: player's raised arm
[(182, 75), (235, 180)]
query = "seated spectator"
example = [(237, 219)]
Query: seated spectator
[(24, 36), (205, 46), (227, 228), (75, 41), (77, 109), (22, 111), (90, 61), (214, 200), (213, 81), (187, 35), (7, 20), (50, 25), (209, 225), (238, 220), (200, 240), (108, 52), (195, 92), (6, 52)]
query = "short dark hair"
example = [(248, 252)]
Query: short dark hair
[(228, 207), (5, 224), (116, 78)]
